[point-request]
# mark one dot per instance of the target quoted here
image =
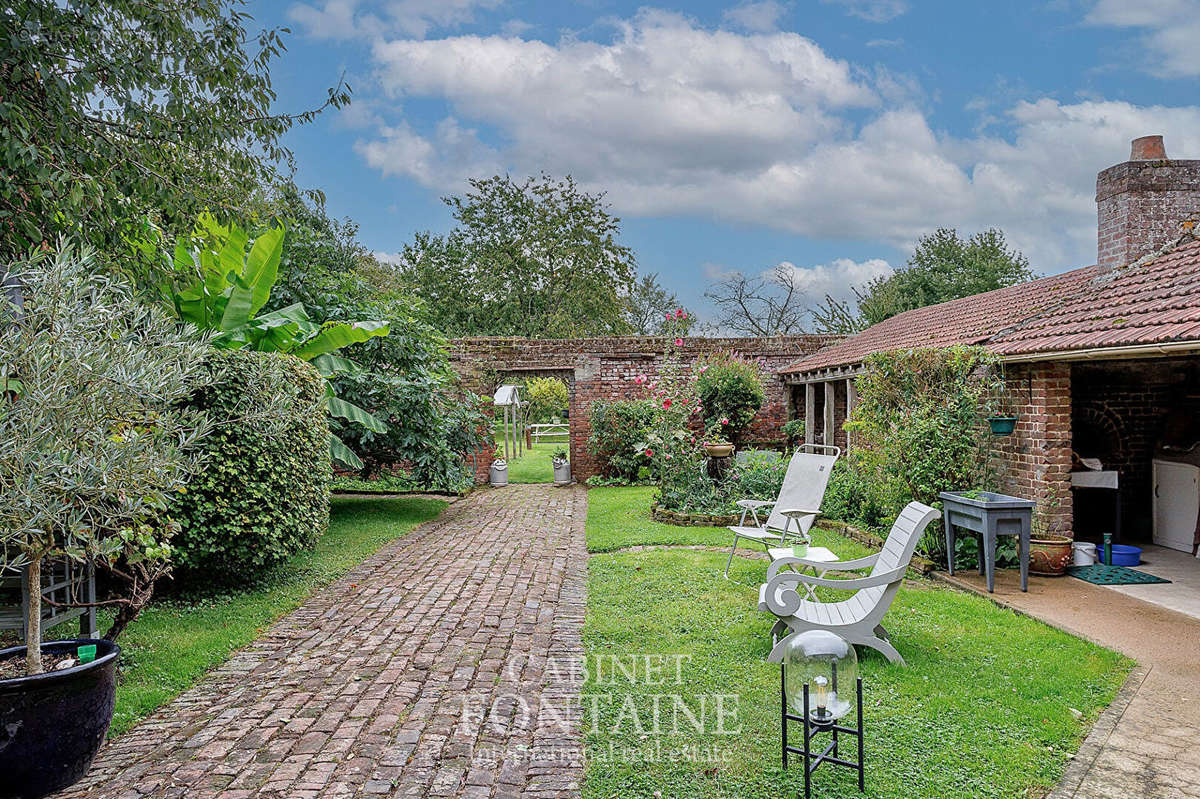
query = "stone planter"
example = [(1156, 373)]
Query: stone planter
[(718, 450), (1049, 555), (562, 472)]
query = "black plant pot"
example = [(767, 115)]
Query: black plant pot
[(52, 724)]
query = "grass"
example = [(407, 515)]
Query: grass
[(619, 517), (175, 642), (983, 709), (534, 465)]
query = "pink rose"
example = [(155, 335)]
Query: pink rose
[(678, 342), (724, 420), (667, 456), (667, 403), (640, 379), (703, 369), (678, 313), (649, 453)]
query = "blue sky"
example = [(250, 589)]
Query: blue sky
[(824, 134)]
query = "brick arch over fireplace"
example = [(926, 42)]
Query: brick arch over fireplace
[(603, 369)]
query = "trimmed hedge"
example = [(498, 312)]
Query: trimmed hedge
[(264, 490)]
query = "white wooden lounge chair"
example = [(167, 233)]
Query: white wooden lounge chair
[(857, 619), (797, 506)]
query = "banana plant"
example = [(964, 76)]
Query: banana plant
[(225, 287)]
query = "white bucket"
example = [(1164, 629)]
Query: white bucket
[(1084, 553)]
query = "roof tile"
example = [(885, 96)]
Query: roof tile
[(1151, 302)]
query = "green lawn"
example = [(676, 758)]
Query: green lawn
[(534, 464), (175, 642), (984, 708)]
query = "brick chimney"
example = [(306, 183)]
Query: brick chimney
[(1143, 203)]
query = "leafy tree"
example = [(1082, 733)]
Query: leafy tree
[(224, 288), (767, 305), (537, 258), (648, 309), (943, 267), (404, 379), (548, 398), (120, 111), (95, 435)]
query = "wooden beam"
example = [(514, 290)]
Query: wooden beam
[(810, 410), (851, 401), (828, 433)]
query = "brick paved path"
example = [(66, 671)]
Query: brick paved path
[(438, 667)]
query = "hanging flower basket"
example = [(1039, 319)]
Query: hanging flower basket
[(1002, 425)]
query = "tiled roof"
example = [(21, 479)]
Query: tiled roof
[(1149, 302)]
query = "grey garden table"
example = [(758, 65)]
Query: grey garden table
[(988, 515)]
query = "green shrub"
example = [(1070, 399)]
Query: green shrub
[(730, 388), (264, 493), (920, 426), (690, 489), (617, 429)]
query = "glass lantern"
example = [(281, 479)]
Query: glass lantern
[(822, 692), (828, 665)]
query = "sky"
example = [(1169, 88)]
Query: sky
[(827, 135)]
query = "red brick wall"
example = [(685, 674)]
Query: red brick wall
[(1035, 461), (1141, 205), (604, 368)]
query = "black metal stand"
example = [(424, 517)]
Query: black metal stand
[(812, 726)]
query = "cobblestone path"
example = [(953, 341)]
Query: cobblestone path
[(440, 666)]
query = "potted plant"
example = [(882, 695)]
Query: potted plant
[(716, 440), (562, 466), (93, 441), (1049, 554), (1001, 419)]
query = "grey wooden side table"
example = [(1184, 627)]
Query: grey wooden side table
[(988, 515)]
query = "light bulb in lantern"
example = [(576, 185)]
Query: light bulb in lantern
[(828, 665), (822, 694)]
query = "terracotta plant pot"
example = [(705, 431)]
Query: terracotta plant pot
[(1049, 555), (719, 450)]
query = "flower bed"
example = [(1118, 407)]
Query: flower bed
[(686, 519)]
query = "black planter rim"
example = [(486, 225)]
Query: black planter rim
[(29, 682)]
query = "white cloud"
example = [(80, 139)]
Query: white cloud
[(393, 258), (762, 129), (872, 10), (759, 17), (1171, 28), (344, 19), (443, 161), (838, 278)]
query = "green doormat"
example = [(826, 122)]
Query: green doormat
[(1101, 574)]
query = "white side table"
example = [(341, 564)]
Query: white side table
[(815, 554)]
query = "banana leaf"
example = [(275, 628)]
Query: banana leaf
[(335, 335), (343, 454), (352, 413)]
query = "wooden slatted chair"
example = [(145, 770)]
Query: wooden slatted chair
[(859, 618)]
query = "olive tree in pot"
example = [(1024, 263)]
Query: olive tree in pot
[(94, 437)]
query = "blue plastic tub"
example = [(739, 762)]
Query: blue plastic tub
[(1122, 555)]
